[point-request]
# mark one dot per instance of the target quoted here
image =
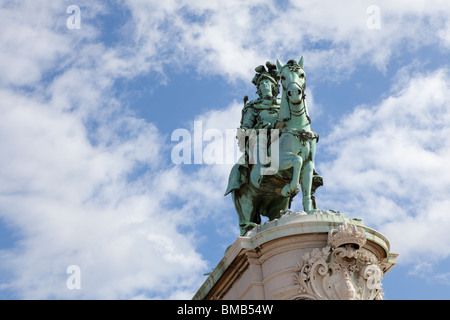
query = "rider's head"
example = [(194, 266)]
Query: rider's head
[(266, 80)]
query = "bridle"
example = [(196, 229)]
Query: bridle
[(302, 100)]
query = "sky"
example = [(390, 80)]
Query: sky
[(95, 96)]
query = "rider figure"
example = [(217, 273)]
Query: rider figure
[(257, 114)]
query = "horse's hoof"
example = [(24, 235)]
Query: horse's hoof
[(250, 225), (247, 227)]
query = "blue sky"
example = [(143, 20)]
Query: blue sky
[(87, 115)]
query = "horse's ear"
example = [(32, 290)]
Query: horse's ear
[(301, 62), (279, 65)]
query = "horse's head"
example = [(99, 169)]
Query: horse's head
[(293, 79)]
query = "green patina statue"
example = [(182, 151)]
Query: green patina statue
[(278, 145)]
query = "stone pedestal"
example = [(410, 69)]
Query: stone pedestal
[(323, 255)]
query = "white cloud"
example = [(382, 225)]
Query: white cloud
[(70, 150), (74, 203), (35, 39), (231, 38), (68, 186), (390, 166)]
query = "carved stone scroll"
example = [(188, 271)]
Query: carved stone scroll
[(342, 270)]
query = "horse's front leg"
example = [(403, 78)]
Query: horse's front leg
[(306, 176), (306, 183), (287, 160), (288, 157)]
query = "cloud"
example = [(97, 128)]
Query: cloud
[(84, 181), (36, 40), (82, 178), (231, 38), (73, 202), (390, 168)]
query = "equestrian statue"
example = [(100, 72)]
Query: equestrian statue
[(278, 147)]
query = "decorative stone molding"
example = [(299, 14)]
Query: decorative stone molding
[(345, 234), (342, 270), (341, 259)]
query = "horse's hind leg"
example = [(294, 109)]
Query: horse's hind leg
[(275, 207)]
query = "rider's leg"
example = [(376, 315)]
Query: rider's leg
[(243, 203)]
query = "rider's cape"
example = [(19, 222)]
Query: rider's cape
[(238, 177)]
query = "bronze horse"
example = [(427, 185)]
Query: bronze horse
[(270, 194)]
